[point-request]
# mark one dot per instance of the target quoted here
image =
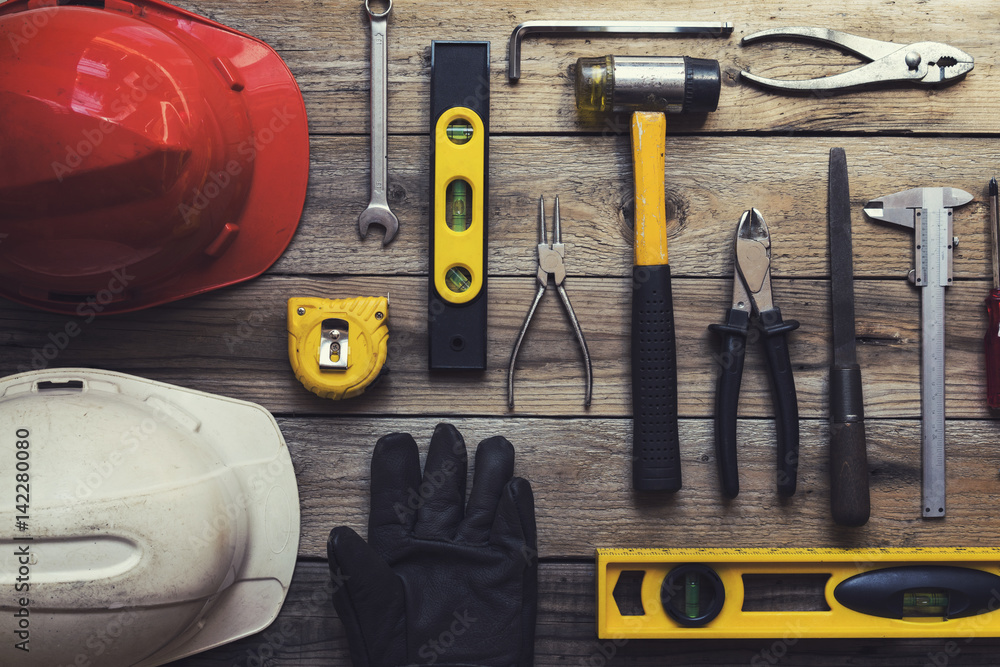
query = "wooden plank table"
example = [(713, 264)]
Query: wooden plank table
[(759, 149)]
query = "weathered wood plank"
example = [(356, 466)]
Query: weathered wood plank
[(580, 470), (308, 633), (759, 149), (327, 48), (710, 182), (234, 342)]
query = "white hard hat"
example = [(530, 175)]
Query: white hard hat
[(140, 523)]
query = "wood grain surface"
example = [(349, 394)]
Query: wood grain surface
[(760, 149)]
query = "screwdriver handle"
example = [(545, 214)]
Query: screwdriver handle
[(786, 405), (656, 462), (727, 396), (850, 502), (992, 344)]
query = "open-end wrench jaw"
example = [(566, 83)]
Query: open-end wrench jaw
[(379, 214)]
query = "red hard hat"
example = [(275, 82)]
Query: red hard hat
[(146, 155)]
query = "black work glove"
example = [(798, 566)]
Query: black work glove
[(440, 582)]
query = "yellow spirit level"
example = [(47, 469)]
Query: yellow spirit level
[(830, 593), (337, 347), (460, 108)]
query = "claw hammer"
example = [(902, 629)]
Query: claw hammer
[(651, 86)]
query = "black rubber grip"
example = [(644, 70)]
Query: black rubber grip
[(727, 395), (702, 85), (850, 501), (899, 592), (786, 406), (846, 399), (656, 462)]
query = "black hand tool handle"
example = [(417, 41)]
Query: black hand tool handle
[(732, 354), (786, 405), (656, 459), (850, 502)]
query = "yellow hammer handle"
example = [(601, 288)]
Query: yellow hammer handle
[(649, 138), (655, 448)]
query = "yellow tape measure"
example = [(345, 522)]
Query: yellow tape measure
[(337, 347), (833, 593)]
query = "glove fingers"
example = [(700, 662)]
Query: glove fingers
[(442, 491), (368, 598), (494, 469), (395, 480), (514, 526)]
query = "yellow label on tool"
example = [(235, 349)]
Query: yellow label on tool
[(459, 192), (675, 593), (337, 347)]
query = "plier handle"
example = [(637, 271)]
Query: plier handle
[(752, 297), (923, 63), (551, 262)]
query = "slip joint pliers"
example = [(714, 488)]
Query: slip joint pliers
[(921, 63)]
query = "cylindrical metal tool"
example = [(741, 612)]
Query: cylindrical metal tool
[(673, 84)]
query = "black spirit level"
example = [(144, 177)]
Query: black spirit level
[(459, 201)]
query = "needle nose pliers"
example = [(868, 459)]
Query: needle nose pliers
[(551, 262), (752, 296), (923, 63)]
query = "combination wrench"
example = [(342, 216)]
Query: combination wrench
[(378, 208)]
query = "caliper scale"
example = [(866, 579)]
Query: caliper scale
[(928, 212)]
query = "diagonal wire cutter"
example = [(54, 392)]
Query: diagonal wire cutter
[(752, 296), (922, 63), (551, 262)]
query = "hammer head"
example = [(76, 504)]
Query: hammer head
[(672, 84)]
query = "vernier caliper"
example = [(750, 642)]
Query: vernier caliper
[(928, 212)]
